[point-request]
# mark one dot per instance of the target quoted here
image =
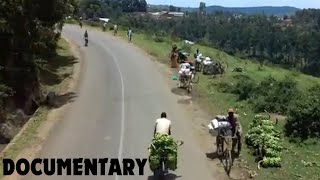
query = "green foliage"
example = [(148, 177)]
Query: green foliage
[(158, 39), (270, 94), (110, 8), (163, 145), (29, 30), (186, 47), (244, 88), (264, 139), (304, 115), (274, 96)]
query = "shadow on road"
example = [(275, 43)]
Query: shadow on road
[(212, 155), (63, 99), (54, 71), (180, 91), (168, 176), (185, 101)]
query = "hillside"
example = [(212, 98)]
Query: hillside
[(268, 10)]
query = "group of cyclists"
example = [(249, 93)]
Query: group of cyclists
[(115, 31)]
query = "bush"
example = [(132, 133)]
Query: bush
[(244, 88), (270, 94), (158, 39), (93, 23), (274, 96), (186, 48), (304, 115)]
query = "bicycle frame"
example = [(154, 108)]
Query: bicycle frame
[(228, 140)]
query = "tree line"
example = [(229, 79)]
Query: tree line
[(110, 8), (29, 31)]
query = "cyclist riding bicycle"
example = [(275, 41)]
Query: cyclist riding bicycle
[(163, 125), (185, 71), (86, 37)]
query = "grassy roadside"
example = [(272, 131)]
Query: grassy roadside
[(52, 78), (297, 159)]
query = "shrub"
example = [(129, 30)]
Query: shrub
[(186, 47), (304, 115), (245, 87), (270, 94), (274, 96), (158, 39)]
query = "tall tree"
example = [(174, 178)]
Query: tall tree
[(202, 8)]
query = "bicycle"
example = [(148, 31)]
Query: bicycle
[(226, 154), (216, 68), (162, 170), (186, 82), (195, 78)]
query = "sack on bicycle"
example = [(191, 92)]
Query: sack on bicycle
[(221, 127)]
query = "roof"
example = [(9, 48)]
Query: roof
[(104, 19)]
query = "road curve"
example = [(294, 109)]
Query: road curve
[(120, 96)]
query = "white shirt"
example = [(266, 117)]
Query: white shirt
[(184, 66), (163, 125)]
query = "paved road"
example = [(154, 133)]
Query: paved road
[(121, 94)]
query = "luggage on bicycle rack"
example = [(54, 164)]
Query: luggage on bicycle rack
[(215, 125)]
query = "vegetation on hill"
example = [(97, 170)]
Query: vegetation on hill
[(267, 10)]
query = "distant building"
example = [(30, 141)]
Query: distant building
[(287, 23), (166, 15)]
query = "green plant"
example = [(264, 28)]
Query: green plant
[(186, 47), (161, 145), (304, 115)]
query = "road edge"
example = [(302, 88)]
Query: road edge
[(42, 132)]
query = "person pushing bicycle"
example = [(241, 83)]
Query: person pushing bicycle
[(236, 128)]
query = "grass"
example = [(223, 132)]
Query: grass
[(26, 137), (296, 157), (57, 69)]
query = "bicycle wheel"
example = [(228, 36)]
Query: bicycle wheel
[(209, 69), (163, 169), (200, 67), (228, 161), (195, 78), (189, 86)]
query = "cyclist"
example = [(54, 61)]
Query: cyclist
[(163, 125), (86, 37), (130, 34)]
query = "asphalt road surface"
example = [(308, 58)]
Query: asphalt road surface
[(121, 95)]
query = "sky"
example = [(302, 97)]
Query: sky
[(240, 3)]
